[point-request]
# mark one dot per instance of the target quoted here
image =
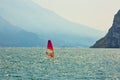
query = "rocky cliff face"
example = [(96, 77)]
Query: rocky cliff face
[(112, 39)]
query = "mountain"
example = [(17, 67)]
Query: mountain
[(11, 36), (112, 38), (47, 24)]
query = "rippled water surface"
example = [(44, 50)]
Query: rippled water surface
[(69, 64)]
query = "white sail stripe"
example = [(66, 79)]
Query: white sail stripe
[(49, 51)]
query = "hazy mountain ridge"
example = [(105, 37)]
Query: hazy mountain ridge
[(48, 25), (11, 36), (112, 38)]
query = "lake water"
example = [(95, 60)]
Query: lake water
[(69, 64)]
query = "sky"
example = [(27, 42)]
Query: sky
[(97, 14)]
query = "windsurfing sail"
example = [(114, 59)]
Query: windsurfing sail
[(50, 49)]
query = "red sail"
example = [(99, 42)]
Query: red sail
[(50, 49)]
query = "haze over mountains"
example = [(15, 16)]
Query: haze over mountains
[(11, 36), (48, 25)]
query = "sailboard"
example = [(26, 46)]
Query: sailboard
[(50, 49)]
